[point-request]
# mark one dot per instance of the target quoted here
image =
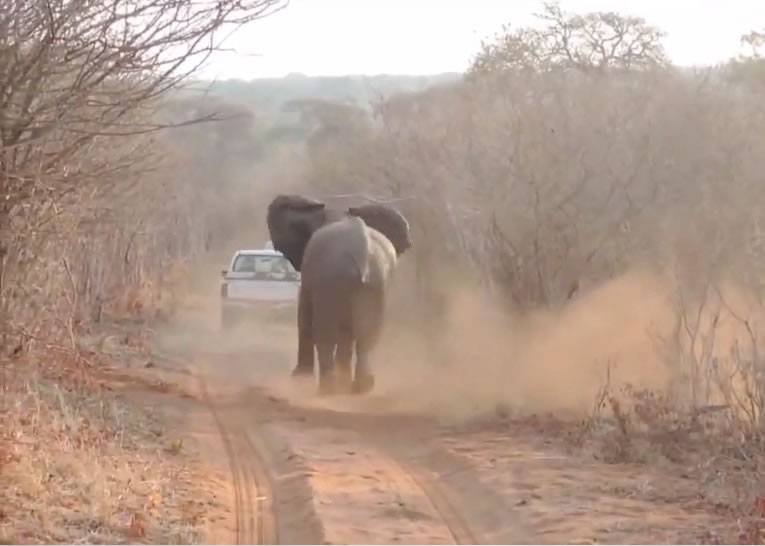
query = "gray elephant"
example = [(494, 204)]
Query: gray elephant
[(346, 259)]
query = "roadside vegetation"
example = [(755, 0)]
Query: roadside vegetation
[(94, 226), (569, 157), (573, 156)]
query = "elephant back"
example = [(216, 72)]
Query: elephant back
[(338, 253)]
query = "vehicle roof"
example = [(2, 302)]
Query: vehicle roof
[(260, 251)]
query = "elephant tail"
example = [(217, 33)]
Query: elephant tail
[(358, 250)]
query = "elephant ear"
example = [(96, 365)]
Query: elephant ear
[(284, 202), (387, 221), (291, 220)]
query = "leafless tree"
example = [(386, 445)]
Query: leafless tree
[(82, 86), (541, 183), (590, 42), (755, 41)]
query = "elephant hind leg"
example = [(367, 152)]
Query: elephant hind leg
[(364, 379), (367, 320), (344, 361), (327, 376), (328, 320)]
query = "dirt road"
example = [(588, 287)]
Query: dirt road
[(294, 468)]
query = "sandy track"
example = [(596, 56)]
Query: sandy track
[(351, 470), (448, 484), (364, 478), (254, 512)]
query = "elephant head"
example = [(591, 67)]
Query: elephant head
[(291, 220), (387, 221)]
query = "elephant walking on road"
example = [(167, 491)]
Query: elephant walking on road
[(346, 261)]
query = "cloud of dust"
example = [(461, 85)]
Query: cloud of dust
[(552, 361), (478, 359)]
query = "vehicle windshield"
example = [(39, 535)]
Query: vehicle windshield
[(267, 268)]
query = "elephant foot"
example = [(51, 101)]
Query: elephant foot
[(363, 384)]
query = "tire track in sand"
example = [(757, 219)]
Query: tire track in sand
[(406, 453), (363, 482), (363, 496), (475, 512), (456, 523), (254, 512)]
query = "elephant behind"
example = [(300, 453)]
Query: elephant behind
[(346, 261)]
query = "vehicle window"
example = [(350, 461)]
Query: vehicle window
[(272, 268), (244, 264)]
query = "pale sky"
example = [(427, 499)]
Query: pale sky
[(338, 37)]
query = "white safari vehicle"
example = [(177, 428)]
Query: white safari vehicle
[(258, 282)]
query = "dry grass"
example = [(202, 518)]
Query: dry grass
[(642, 426), (82, 466)]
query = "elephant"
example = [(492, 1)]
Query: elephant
[(346, 259)]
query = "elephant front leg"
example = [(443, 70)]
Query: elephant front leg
[(306, 357)]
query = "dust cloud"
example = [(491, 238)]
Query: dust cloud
[(478, 359), (484, 360), (625, 331)]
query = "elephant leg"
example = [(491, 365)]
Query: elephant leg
[(327, 377), (327, 315), (364, 380), (306, 357), (344, 361), (368, 319)]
